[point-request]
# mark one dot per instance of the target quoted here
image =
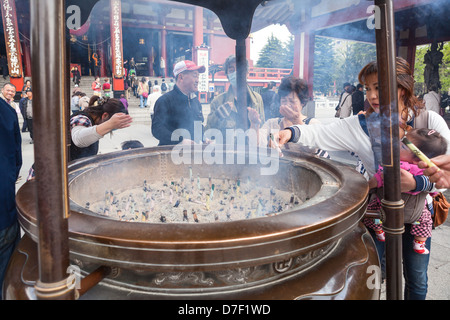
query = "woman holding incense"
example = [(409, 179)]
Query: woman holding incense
[(438, 171), (293, 95), (361, 134)]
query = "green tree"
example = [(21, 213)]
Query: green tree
[(351, 57), (271, 55), (288, 54), (324, 62), (360, 55), (277, 54), (419, 69)]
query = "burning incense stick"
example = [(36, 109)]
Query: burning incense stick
[(418, 153), (276, 145)]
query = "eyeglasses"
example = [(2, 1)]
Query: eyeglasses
[(194, 74)]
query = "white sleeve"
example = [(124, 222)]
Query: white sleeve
[(340, 135), (336, 136), (436, 122), (83, 137)]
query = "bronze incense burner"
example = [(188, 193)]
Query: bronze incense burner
[(315, 250)]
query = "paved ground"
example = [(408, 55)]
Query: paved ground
[(439, 268)]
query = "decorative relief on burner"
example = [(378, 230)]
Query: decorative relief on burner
[(182, 279), (241, 276)]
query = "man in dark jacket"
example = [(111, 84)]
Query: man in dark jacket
[(358, 99), (180, 108), (10, 164), (4, 66)]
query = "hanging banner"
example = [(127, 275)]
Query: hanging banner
[(13, 49), (116, 39), (203, 60)]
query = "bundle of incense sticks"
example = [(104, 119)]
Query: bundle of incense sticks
[(418, 153), (211, 200), (276, 145)]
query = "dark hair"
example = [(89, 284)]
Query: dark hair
[(98, 106), (231, 59), (405, 81), (132, 144), (297, 85), (430, 142)]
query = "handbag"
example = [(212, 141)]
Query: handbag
[(144, 94), (339, 106), (338, 113), (440, 207)]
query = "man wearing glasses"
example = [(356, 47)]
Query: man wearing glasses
[(180, 108)]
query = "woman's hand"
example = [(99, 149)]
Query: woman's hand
[(254, 118), (439, 175), (292, 113), (281, 138), (117, 121)]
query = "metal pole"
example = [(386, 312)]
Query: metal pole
[(49, 70), (392, 204), (241, 75)]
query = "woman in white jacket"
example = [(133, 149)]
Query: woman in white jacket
[(352, 134)]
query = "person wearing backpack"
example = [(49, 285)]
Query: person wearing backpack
[(164, 86), (361, 134)]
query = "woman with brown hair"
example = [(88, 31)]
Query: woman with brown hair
[(89, 126), (361, 134)]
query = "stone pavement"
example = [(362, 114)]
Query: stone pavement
[(439, 267)]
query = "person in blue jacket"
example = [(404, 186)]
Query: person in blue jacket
[(10, 165)]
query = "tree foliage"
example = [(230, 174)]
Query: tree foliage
[(337, 61), (277, 54), (324, 60)]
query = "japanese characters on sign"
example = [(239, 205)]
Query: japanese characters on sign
[(203, 60), (12, 40), (116, 38)]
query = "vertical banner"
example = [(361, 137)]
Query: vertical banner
[(117, 45), (203, 60), (13, 49)]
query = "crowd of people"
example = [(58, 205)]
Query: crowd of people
[(352, 101), (176, 106)]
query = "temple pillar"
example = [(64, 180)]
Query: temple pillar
[(304, 43), (163, 12), (164, 49), (198, 31), (118, 73)]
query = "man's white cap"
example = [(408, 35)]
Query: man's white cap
[(187, 65)]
